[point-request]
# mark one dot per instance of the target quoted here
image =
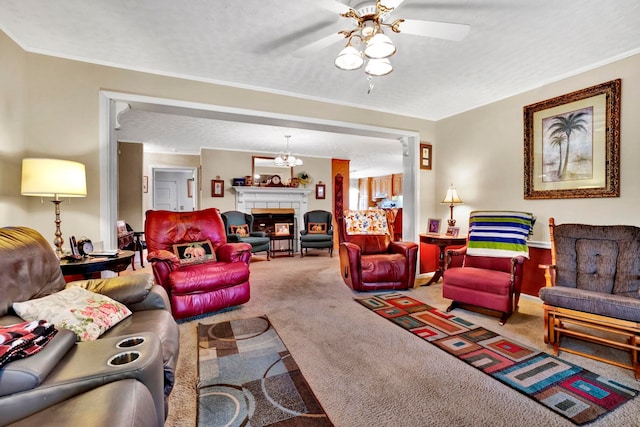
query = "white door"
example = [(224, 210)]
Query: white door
[(165, 195)]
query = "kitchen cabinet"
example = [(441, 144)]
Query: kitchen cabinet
[(396, 184), (381, 187)]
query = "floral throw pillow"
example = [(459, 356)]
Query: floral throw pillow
[(371, 222), (195, 252), (86, 313)]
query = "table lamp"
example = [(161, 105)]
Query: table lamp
[(53, 178), (452, 199)]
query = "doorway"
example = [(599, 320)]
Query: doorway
[(174, 189)]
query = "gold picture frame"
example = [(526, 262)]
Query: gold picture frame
[(282, 229), (426, 156), (572, 144)]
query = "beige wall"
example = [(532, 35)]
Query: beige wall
[(481, 151), (130, 184), (61, 119), (13, 206)]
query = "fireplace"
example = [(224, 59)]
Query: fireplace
[(265, 219), (273, 201)]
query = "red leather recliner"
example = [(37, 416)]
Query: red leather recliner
[(370, 262), (199, 288)]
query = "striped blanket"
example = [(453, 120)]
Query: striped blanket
[(499, 233)]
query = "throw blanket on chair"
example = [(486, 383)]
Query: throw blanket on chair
[(499, 233), (24, 339), (371, 221)]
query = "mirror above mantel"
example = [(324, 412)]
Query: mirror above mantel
[(263, 166)]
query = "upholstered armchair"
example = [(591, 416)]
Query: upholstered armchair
[(369, 259), (487, 273), (192, 260), (318, 232), (592, 286), (239, 228)]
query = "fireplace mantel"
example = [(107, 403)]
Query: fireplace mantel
[(271, 190)]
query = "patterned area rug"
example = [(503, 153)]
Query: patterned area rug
[(247, 377), (571, 391)]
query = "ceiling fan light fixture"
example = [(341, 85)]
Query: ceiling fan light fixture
[(378, 67), (349, 59), (379, 47)]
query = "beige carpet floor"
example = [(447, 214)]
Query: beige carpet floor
[(366, 371)]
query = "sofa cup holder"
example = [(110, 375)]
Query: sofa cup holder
[(130, 342), (124, 358)]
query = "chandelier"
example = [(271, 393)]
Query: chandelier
[(375, 46), (286, 158)]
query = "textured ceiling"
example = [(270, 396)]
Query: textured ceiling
[(513, 46)]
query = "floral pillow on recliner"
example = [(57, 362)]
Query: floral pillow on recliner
[(86, 313)]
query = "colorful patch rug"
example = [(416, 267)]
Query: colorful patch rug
[(571, 391), (247, 377)]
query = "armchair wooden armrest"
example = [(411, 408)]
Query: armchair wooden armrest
[(549, 274)]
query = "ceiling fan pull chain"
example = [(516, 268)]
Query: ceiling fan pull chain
[(370, 80)]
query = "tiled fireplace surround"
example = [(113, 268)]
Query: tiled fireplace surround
[(248, 198)]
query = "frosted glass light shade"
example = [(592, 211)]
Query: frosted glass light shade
[(378, 67), (349, 59), (53, 178), (380, 46)]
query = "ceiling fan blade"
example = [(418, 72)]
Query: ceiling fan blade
[(318, 45), (439, 30), (392, 3), (333, 6)]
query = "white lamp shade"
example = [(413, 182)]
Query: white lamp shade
[(380, 46), (349, 59), (378, 67), (452, 197), (53, 178)]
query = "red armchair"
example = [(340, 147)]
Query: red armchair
[(369, 259), (216, 281), (488, 272)]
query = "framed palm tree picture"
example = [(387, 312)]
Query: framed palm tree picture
[(572, 144)]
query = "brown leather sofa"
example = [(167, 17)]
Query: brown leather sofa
[(125, 374), (205, 286)]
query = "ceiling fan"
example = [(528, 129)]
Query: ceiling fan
[(370, 20)]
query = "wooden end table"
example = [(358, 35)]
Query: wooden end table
[(441, 241), (87, 266), (272, 245)]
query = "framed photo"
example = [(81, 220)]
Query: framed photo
[(320, 191), (282, 229), (217, 188), (453, 231), (426, 158), (433, 225), (238, 182), (572, 144), (145, 184)]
